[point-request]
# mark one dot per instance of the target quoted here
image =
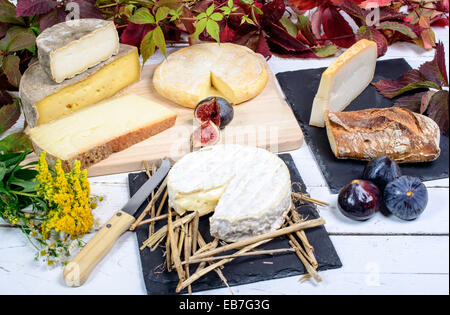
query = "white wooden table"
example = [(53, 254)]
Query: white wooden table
[(380, 256)]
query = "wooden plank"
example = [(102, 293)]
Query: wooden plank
[(372, 265), (265, 121)]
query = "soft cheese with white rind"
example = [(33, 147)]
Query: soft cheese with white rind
[(93, 133), (344, 80), (69, 48), (43, 100), (193, 73), (248, 188)]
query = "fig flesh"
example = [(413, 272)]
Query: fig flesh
[(205, 135), (216, 109)]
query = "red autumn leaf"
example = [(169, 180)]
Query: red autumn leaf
[(34, 7), (9, 114), (5, 98), (51, 18), (134, 33), (316, 24), (305, 30), (87, 9), (435, 70), (373, 34), (227, 34), (274, 10), (438, 110), (281, 37), (440, 21), (371, 4), (410, 80), (305, 4), (336, 28), (262, 46), (411, 102)]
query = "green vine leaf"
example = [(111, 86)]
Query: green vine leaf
[(142, 16), (199, 28), (213, 30), (147, 47), (161, 14), (15, 142), (158, 38)]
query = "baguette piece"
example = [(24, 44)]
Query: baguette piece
[(404, 136), (43, 100), (69, 48), (94, 133), (344, 80)]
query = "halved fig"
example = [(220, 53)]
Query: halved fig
[(206, 134), (216, 109)]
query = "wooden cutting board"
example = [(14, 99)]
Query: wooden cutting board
[(265, 121)]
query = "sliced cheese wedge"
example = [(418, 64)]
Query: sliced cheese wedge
[(92, 134), (344, 80), (44, 100), (69, 48), (210, 69)]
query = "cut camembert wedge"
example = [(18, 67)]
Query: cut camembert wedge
[(248, 188), (193, 73), (69, 48), (93, 133), (344, 80)]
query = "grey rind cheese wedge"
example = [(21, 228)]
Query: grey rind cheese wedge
[(43, 100), (69, 48), (248, 188), (94, 133), (344, 80)]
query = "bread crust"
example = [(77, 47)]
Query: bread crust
[(101, 152), (402, 135)]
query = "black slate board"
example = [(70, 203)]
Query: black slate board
[(242, 270), (301, 86)]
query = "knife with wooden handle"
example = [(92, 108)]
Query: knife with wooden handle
[(77, 271)]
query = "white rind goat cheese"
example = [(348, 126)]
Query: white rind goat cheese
[(69, 48), (249, 189), (344, 80)]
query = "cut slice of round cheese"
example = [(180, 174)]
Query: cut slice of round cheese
[(69, 48), (210, 69), (248, 188)]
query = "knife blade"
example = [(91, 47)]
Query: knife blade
[(77, 271)]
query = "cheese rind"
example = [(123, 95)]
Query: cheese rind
[(44, 100), (69, 48), (248, 188), (188, 75), (93, 133), (344, 80)]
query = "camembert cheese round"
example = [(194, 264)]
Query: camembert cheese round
[(249, 189), (228, 70)]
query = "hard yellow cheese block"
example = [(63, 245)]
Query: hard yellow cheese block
[(95, 132), (344, 80), (44, 100)]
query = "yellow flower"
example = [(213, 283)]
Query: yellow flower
[(68, 198)]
